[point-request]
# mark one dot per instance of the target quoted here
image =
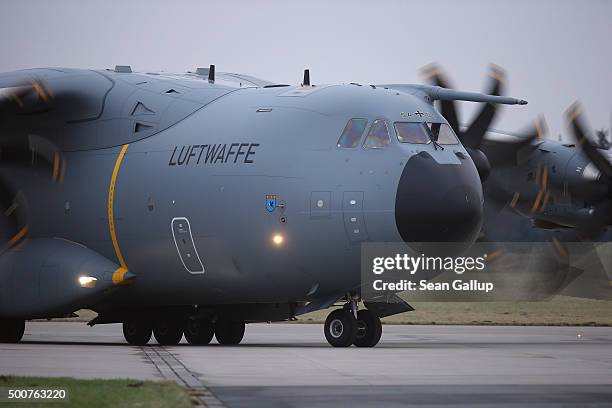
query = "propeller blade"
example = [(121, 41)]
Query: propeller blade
[(25, 95), (13, 219), (433, 74), (36, 153), (537, 130), (580, 132), (502, 153), (449, 111), (508, 152), (474, 135), (525, 147)]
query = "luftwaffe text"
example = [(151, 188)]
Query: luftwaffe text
[(236, 153)]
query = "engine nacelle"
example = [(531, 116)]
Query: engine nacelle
[(51, 278)]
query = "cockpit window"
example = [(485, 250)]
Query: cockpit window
[(378, 137), (352, 133), (412, 132), (423, 133), (442, 133)]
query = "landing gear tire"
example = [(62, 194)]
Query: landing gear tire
[(369, 329), (11, 330), (199, 332), (168, 331), (340, 328), (137, 332), (229, 332)]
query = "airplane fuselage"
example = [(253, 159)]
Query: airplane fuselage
[(200, 194)]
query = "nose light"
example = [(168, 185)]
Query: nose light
[(87, 281), (278, 239)]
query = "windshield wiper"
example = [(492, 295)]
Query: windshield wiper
[(436, 145), (433, 133)]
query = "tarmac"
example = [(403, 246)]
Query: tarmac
[(292, 365)]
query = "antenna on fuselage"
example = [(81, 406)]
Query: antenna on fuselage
[(306, 81), (211, 74)]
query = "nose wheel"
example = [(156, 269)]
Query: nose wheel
[(342, 329), (369, 329)]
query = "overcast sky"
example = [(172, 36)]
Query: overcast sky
[(554, 51)]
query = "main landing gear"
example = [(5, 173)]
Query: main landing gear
[(11, 330), (137, 332), (199, 332), (169, 331), (347, 326), (227, 332)]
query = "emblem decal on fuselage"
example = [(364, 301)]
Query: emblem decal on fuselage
[(271, 202)]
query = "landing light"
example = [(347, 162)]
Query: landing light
[(278, 239), (87, 281)]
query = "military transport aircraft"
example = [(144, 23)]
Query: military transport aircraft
[(557, 185), (195, 203)]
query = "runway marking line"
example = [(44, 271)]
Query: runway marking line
[(171, 368)]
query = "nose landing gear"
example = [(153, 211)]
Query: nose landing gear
[(341, 328), (369, 329), (347, 326)]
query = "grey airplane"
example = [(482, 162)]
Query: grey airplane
[(542, 191), (191, 204), (557, 185), (553, 184)]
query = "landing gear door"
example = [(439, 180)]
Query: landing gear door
[(183, 239), (354, 223)]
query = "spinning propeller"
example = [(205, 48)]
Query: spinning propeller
[(601, 215), (472, 136), (33, 152)]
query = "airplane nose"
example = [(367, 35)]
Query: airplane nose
[(438, 202)]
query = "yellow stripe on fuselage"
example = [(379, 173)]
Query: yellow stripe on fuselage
[(119, 274)]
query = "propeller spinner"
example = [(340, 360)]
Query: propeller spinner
[(601, 215)]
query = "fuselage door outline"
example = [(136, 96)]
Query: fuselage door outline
[(190, 244)]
